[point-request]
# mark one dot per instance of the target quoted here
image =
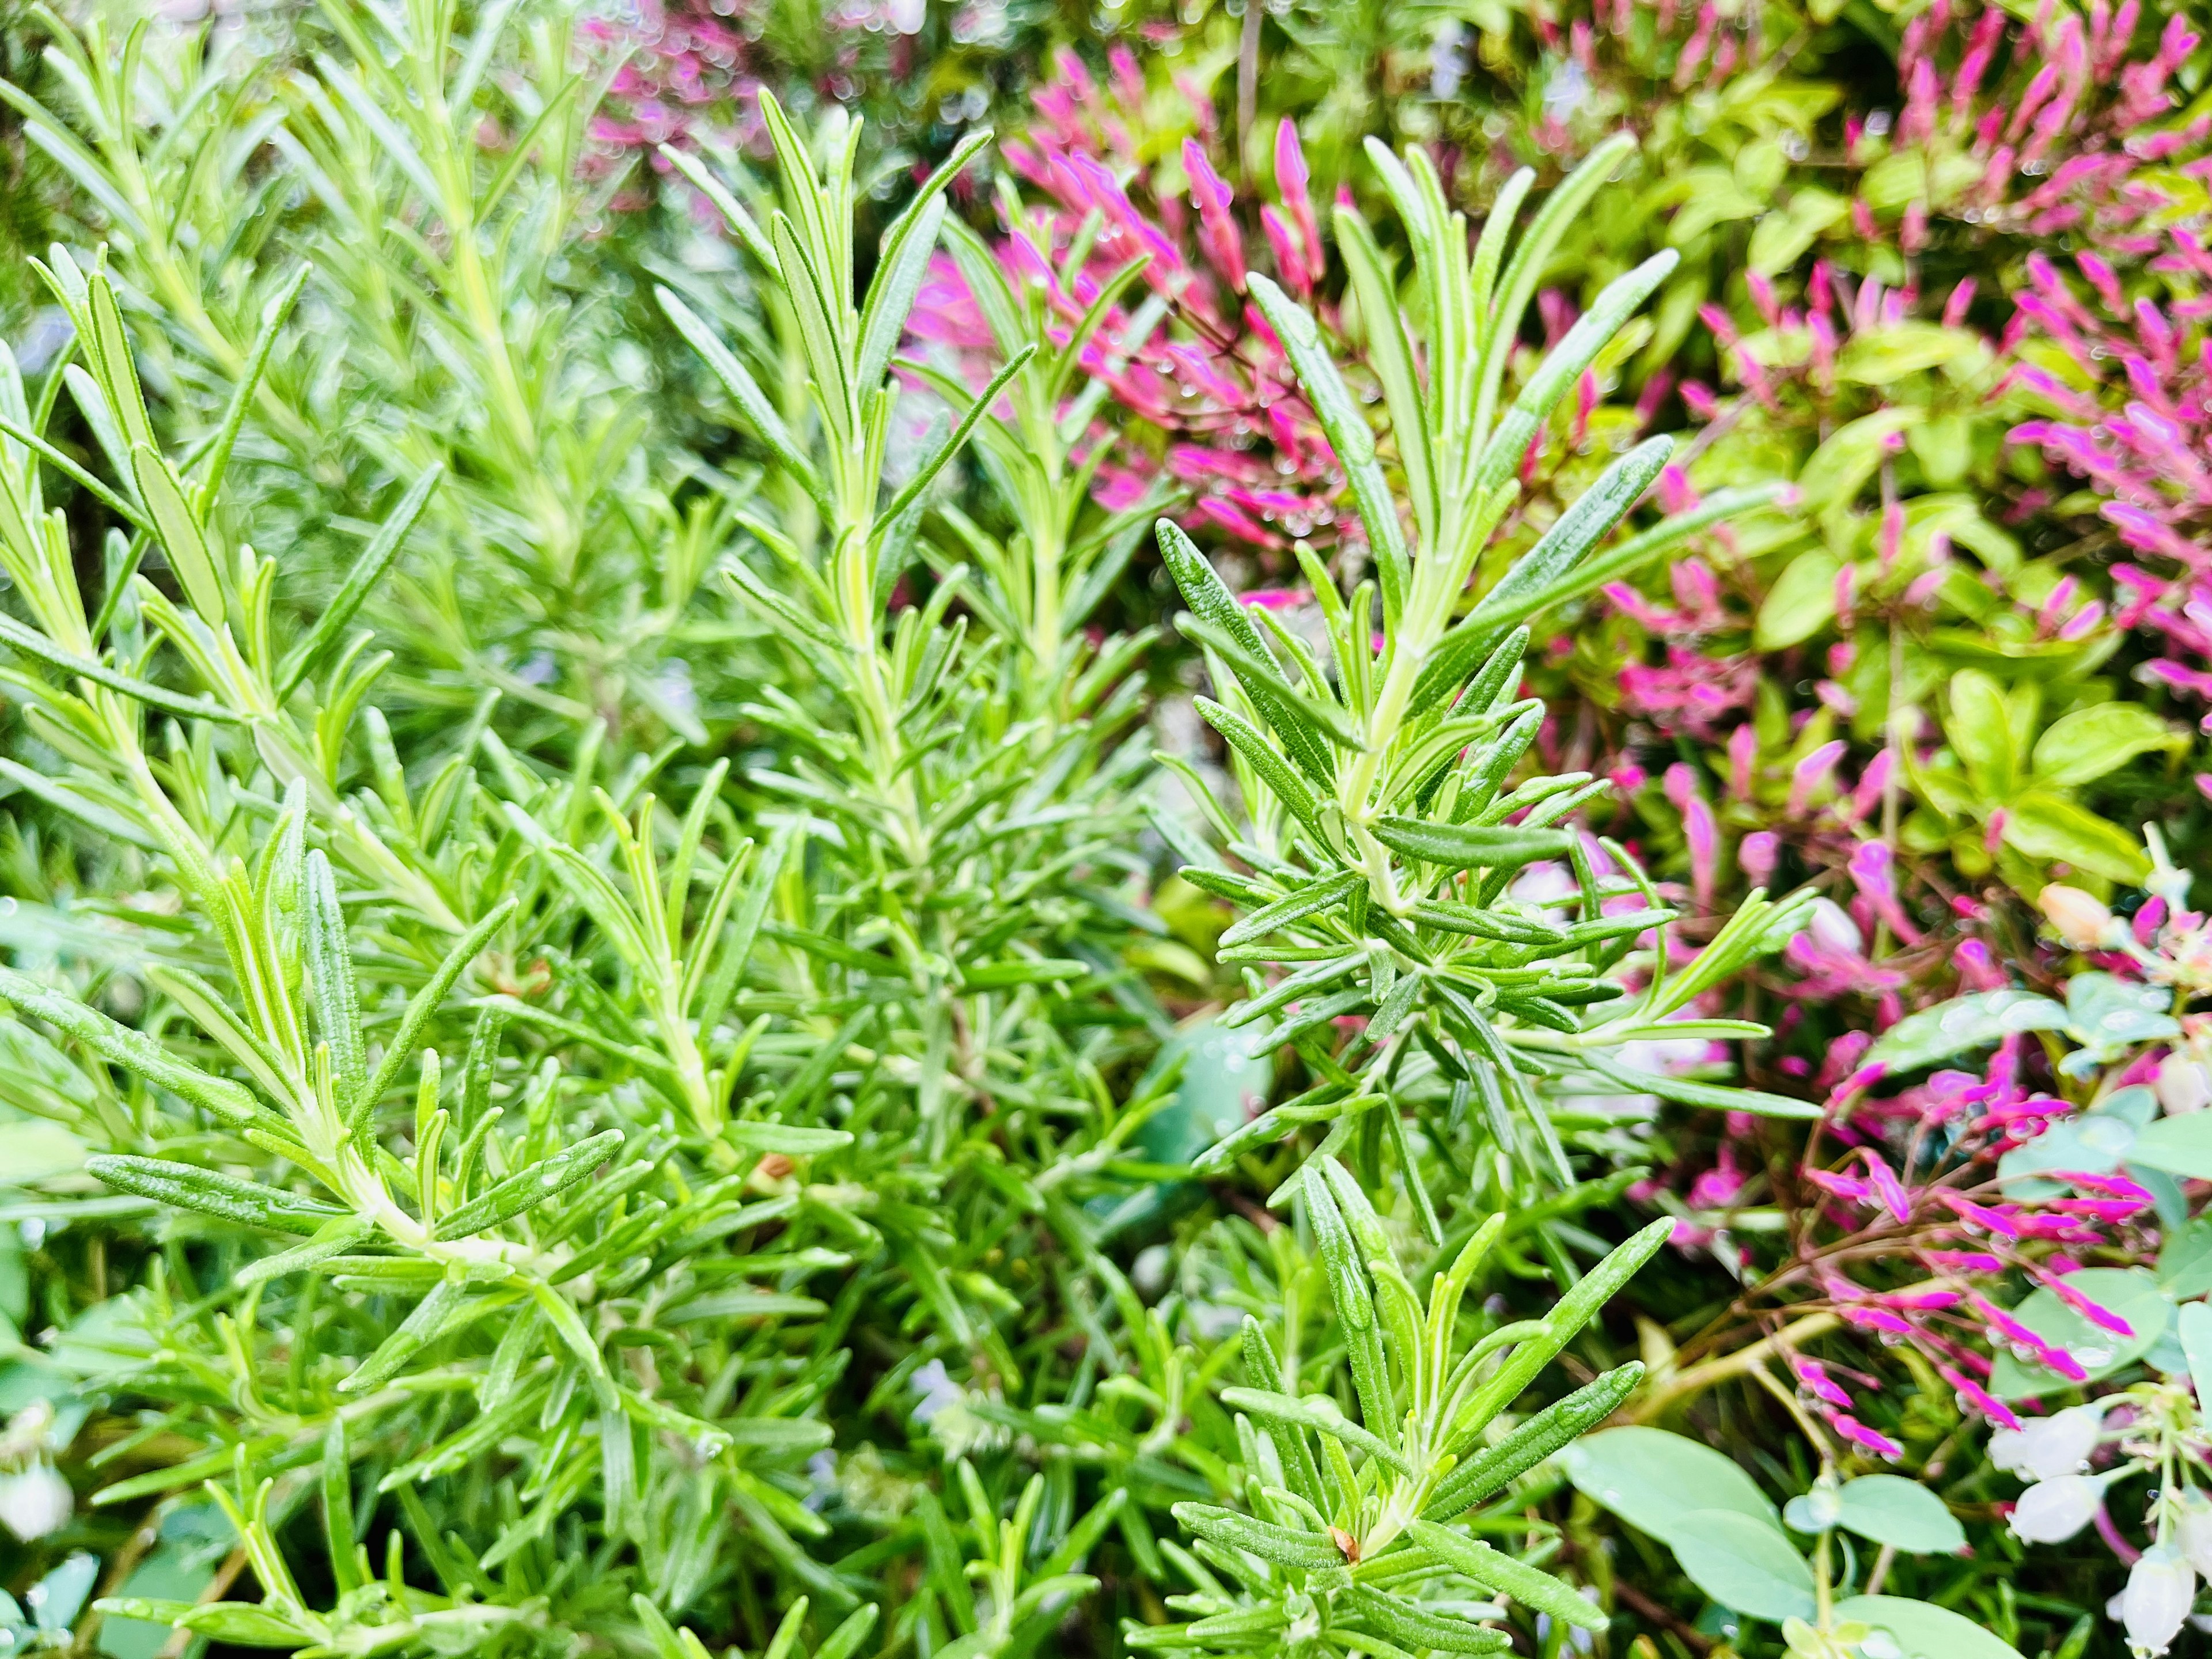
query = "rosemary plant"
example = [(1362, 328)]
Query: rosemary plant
[(523, 1153), (1382, 829), (479, 1115), (1333, 1555)]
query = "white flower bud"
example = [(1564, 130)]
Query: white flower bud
[(2083, 922), (2044, 1448), (2161, 1589), (2052, 1511), (34, 1501), (2183, 1084), (1832, 928), (2194, 1532)]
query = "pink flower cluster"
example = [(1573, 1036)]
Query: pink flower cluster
[(683, 71), (1951, 1223), (1692, 692), (688, 72), (1197, 361), (2060, 152), (2132, 413)]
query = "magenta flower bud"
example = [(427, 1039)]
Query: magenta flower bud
[(1917, 125), (1973, 1396), (1290, 259), (1973, 1262), (1762, 296), (1207, 187), (1873, 1439), (1887, 1186), (1813, 1378), (1875, 1319), (1756, 853), (1810, 773), (1294, 186), (1128, 79), (1743, 754), (2096, 1312)]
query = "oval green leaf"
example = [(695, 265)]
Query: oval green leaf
[(1891, 1510), (1655, 1480), (1744, 1565), (1924, 1631)]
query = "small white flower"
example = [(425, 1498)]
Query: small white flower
[(2183, 1084), (1447, 62), (1544, 884), (2052, 1511), (2079, 919), (2153, 1608), (2194, 1532), (2046, 1447), (1832, 928), (906, 15), (34, 1501), (937, 1389)]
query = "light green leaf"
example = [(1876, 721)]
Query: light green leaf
[(1840, 467), (1655, 1480), (1963, 1023), (1891, 1510), (1801, 602), (2179, 1146), (1922, 1630), (2195, 1331), (360, 580), (1532, 1587), (1349, 434), (132, 1050), (33, 1150), (2052, 829), (225, 1197), (1744, 1565), (1531, 1442), (183, 539), (1469, 847), (1881, 356), (1979, 726), (791, 1140), (526, 1189), (1688, 1091), (1269, 1542), (2100, 738)]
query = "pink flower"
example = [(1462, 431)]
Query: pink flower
[(1974, 1397), (1890, 1189), (1857, 1432), (1813, 1377), (2096, 1312), (1700, 832)]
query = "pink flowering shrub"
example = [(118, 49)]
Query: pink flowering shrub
[(2125, 381), (1182, 351)]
